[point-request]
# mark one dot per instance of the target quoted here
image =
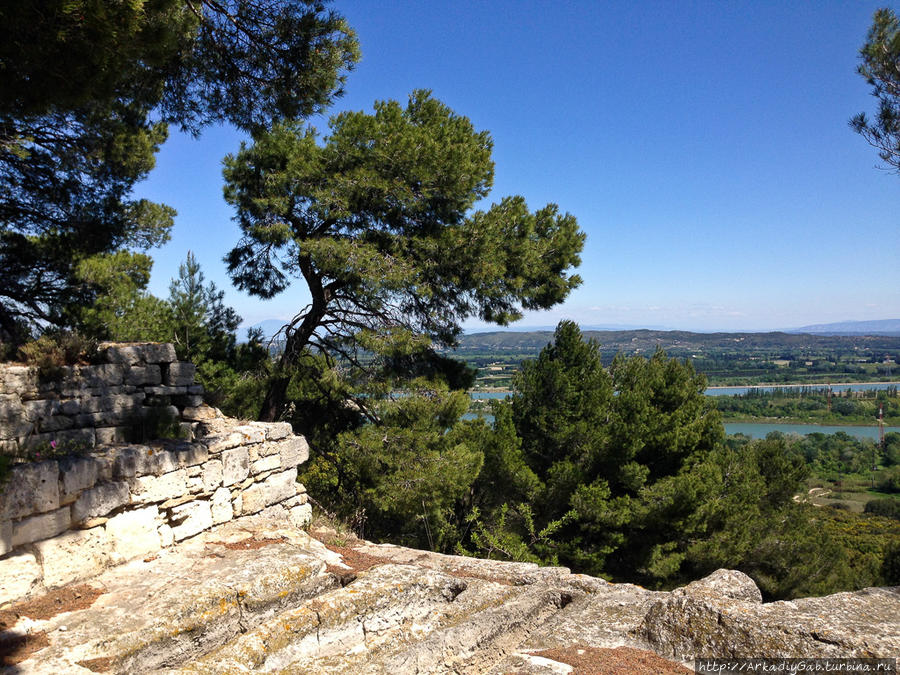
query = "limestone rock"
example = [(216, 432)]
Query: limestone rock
[(293, 451), (861, 624), (134, 533), (221, 506), (251, 433), (100, 501), (200, 413), (112, 435), (190, 519), (20, 574), (725, 584), (32, 488), (41, 526), (212, 474), (160, 488), (74, 556), (235, 465), (133, 354), (6, 531), (301, 515), (139, 375), (180, 374), (275, 488)]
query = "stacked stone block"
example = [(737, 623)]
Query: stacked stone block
[(65, 519), (94, 405)]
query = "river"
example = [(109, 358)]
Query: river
[(737, 391), (754, 429)]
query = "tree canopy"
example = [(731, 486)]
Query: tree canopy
[(86, 93), (880, 56), (377, 221)]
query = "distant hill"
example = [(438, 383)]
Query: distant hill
[(880, 327), (679, 343)]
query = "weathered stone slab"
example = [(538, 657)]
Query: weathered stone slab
[(141, 460), (212, 474), (133, 533), (119, 403), (138, 375), (112, 435), (301, 515), (180, 374), (163, 390), (192, 454), (190, 519), (276, 430), (269, 448), (5, 537), (235, 465), (250, 433), (100, 501), (73, 556), (76, 474), (159, 488), (221, 506), (269, 463), (198, 413), (132, 354), (17, 428), (293, 451), (36, 410), (225, 440), (55, 423), (104, 375), (32, 488), (275, 488), (41, 527), (20, 574), (19, 378)]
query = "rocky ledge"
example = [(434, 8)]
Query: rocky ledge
[(260, 595)]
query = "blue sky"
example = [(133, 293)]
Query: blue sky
[(702, 146)]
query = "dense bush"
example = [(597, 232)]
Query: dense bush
[(889, 508)]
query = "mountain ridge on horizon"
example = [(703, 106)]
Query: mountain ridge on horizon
[(889, 327)]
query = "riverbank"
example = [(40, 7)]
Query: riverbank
[(809, 421), (794, 385)]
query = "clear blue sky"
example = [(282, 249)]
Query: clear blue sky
[(702, 146)]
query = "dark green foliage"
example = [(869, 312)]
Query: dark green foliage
[(880, 66), (399, 476), (890, 480), (889, 508), (51, 352), (86, 93), (614, 461), (375, 221)]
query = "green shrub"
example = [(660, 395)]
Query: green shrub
[(890, 480), (46, 355), (50, 353), (889, 508)]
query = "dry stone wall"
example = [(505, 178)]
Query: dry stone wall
[(66, 518), (119, 399)]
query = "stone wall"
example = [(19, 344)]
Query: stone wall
[(67, 517), (131, 388)]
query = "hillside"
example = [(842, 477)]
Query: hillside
[(676, 342)]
